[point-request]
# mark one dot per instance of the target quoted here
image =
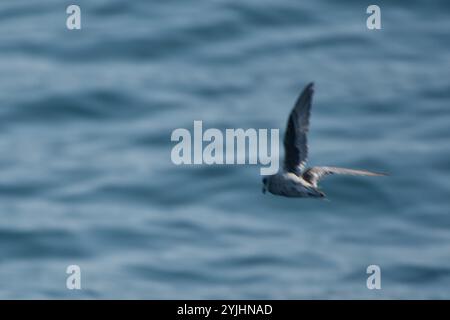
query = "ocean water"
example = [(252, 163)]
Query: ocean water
[(86, 176)]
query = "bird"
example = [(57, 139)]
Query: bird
[(294, 179)]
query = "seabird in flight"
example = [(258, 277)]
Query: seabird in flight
[(295, 180)]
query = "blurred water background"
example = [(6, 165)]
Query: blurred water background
[(85, 170)]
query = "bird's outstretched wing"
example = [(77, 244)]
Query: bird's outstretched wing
[(314, 174), (295, 138)]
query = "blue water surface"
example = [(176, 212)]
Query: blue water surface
[(86, 176)]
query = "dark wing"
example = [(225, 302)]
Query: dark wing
[(314, 174), (295, 138)]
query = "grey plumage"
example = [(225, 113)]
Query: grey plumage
[(314, 174), (294, 180), (295, 137)]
